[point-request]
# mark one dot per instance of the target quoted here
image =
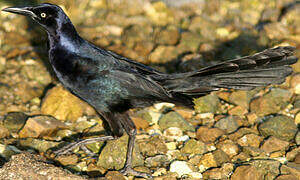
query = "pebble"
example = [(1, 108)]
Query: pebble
[(194, 147), (62, 105), (173, 119), (181, 168), (41, 126), (228, 124), (208, 135), (273, 144), (207, 104), (271, 103), (113, 154), (280, 126)]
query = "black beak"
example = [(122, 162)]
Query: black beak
[(21, 10)]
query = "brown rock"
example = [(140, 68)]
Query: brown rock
[(229, 147), (273, 144), (169, 36), (241, 98), (250, 140), (28, 166), (140, 123), (40, 126), (4, 132), (209, 135), (219, 173), (114, 175), (270, 103), (67, 160), (291, 168), (238, 111), (214, 159), (246, 173), (62, 105), (287, 177)]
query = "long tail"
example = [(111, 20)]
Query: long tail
[(270, 66)]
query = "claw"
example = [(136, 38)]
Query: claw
[(129, 171)]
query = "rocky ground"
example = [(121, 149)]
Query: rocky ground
[(229, 134)]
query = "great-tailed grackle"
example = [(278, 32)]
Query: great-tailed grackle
[(113, 84)]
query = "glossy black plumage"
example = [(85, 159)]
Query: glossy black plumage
[(113, 84)]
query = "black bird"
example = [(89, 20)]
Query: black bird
[(113, 84)]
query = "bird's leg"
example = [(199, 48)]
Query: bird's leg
[(131, 131), (115, 127), (70, 147)]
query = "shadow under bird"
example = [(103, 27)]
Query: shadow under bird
[(113, 84)]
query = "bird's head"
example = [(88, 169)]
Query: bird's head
[(49, 16)]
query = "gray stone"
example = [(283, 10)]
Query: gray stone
[(280, 126), (14, 121), (208, 103), (174, 119), (229, 124)]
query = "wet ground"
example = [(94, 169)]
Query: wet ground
[(229, 134)]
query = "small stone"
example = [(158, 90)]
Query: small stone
[(207, 104), (295, 83), (267, 167), (194, 147), (157, 161), (271, 103), (67, 160), (238, 111), (229, 124), (287, 177), (280, 126), (114, 175), (38, 144), (40, 126), (250, 140), (152, 146), (185, 113), (189, 42), (31, 166), (252, 118), (252, 151), (247, 173), (140, 123), (4, 132), (241, 98), (2, 64), (6, 151), (171, 145), (273, 144), (36, 72), (14, 121), (113, 154), (62, 105), (297, 138), (173, 119), (291, 168), (172, 133), (297, 119), (163, 54), (207, 161), (209, 135), (181, 168), (229, 147), (219, 173), (169, 36)]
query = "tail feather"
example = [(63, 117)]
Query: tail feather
[(270, 66)]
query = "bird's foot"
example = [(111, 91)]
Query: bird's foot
[(65, 150), (129, 171)]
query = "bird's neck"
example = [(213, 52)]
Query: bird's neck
[(65, 36)]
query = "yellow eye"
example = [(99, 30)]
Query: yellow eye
[(43, 15)]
